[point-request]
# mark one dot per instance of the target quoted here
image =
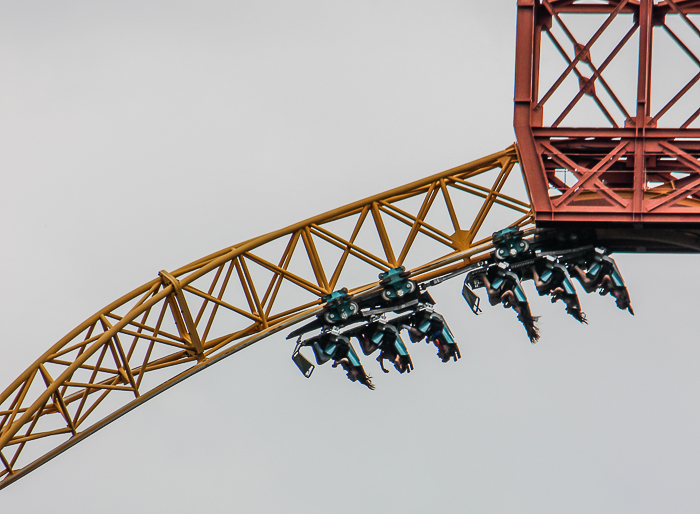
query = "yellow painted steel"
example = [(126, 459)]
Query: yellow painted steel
[(186, 320)]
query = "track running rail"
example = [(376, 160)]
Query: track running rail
[(186, 320)]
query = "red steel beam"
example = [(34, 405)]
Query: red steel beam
[(639, 168)]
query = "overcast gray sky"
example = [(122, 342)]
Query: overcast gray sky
[(138, 136)]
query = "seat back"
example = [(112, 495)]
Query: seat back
[(400, 346), (353, 358)]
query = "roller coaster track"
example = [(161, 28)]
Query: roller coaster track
[(185, 320)]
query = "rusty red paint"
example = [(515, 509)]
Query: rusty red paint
[(635, 166)]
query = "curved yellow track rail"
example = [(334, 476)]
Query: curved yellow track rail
[(186, 320)]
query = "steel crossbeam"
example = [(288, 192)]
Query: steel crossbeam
[(625, 167)]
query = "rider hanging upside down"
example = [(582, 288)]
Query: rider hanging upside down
[(385, 337), (554, 280), (602, 275), (431, 326), (402, 363), (504, 287), (338, 347)]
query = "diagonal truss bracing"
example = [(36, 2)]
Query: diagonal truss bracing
[(186, 320), (598, 143)]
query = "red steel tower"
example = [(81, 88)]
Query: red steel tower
[(593, 157)]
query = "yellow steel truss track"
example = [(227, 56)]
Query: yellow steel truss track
[(186, 320)]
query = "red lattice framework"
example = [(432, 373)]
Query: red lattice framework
[(600, 151)]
